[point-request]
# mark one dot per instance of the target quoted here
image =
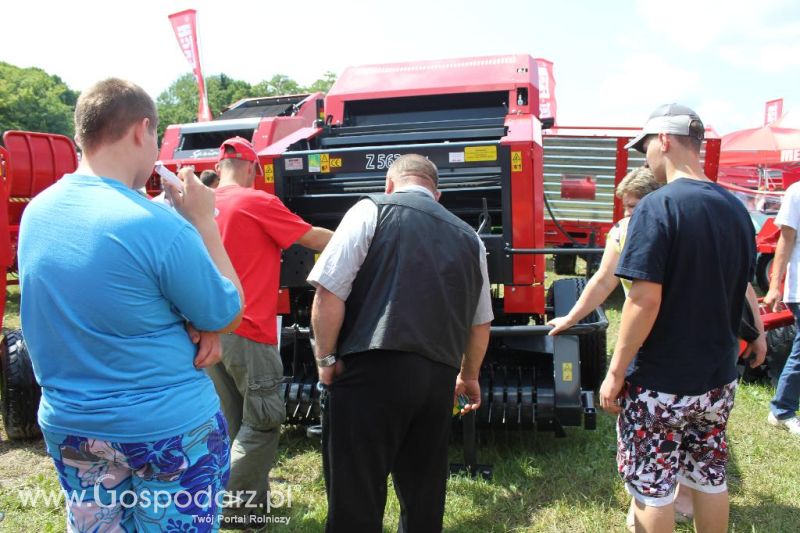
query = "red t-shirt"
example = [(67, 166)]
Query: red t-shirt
[(255, 227)]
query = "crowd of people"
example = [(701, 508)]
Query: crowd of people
[(154, 336)]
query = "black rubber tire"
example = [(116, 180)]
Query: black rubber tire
[(19, 392), (763, 265), (564, 265), (779, 346), (593, 346)]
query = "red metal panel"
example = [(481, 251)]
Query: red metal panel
[(528, 299), (169, 143), (527, 213), (712, 158), (523, 202), (767, 237), (36, 161), (622, 169), (445, 76), (6, 249), (267, 181), (579, 231), (283, 301)]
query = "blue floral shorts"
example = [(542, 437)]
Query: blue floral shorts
[(666, 438), (173, 485)]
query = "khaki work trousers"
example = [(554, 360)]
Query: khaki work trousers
[(248, 382)]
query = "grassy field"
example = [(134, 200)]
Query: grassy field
[(540, 483)]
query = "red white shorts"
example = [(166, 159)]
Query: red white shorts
[(663, 439)]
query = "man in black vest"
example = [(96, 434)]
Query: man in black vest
[(401, 320)]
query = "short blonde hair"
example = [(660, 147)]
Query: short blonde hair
[(106, 110), (414, 165), (639, 182)]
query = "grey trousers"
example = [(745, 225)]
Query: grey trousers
[(248, 384)]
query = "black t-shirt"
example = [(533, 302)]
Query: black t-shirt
[(696, 240)]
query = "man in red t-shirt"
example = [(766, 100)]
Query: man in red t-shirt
[(255, 227)]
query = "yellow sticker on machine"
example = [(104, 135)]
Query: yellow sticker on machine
[(516, 161), (324, 163), (480, 153), (269, 173), (566, 371)]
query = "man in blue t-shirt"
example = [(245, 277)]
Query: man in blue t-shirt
[(689, 253), (109, 281)]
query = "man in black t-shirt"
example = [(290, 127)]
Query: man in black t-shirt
[(689, 253)]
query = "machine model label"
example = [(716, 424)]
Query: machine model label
[(516, 161), (379, 161), (480, 153), (293, 163), (566, 371), (455, 157), (314, 163), (269, 173)]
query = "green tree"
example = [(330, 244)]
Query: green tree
[(32, 100), (279, 84), (178, 104), (224, 91), (323, 84)]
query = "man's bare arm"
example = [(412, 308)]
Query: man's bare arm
[(783, 252), (327, 317), (474, 352), (315, 238), (638, 316), (759, 346)]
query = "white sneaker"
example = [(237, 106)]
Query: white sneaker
[(791, 424)]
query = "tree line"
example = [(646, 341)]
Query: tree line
[(33, 100)]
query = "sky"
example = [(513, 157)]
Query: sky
[(614, 60)]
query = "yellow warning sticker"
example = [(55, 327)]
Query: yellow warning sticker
[(336, 162), (516, 161), (480, 153), (566, 371), (324, 163), (269, 173)]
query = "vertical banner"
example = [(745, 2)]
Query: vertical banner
[(773, 111), (547, 89), (185, 26)]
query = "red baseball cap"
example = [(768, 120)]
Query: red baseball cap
[(242, 150)]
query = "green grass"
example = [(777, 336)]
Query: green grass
[(540, 483)]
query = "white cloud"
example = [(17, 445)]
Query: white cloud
[(725, 116), (696, 24), (632, 90), (743, 33)]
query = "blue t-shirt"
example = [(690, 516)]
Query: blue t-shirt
[(106, 278), (696, 240)]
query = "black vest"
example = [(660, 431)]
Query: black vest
[(418, 288)]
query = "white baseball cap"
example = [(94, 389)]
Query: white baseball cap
[(673, 119)]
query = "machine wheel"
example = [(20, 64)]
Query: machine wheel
[(779, 346), (19, 392), (564, 265), (763, 271), (592, 346)]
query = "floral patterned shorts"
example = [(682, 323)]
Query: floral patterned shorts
[(663, 439), (173, 485)]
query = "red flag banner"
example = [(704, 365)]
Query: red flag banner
[(185, 26), (773, 111), (547, 89)]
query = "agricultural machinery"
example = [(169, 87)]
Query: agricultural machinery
[(528, 190), (29, 163)]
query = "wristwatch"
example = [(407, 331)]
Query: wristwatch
[(328, 360)]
